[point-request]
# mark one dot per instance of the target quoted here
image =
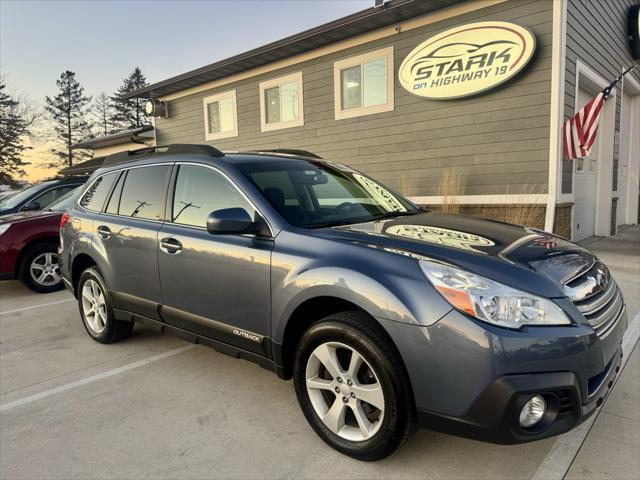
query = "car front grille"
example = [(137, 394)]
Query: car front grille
[(603, 305)]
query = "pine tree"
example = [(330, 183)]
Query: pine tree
[(69, 110), (103, 112), (16, 120), (129, 113)]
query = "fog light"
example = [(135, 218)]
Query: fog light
[(533, 411)]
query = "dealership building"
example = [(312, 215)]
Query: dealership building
[(408, 90)]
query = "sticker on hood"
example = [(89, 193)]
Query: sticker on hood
[(441, 236)]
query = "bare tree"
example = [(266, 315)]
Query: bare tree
[(103, 113)]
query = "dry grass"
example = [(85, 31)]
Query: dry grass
[(525, 214), (407, 185), (451, 185)]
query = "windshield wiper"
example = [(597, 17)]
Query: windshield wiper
[(393, 214), (353, 221), (336, 223)]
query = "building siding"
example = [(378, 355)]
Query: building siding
[(498, 140), (597, 35)]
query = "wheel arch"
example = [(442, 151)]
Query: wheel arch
[(309, 312), (52, 239), (80, 263)]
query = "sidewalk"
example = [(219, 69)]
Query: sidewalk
[(611, 447)]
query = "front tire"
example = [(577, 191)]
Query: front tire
[(352, 386), (96, 309)]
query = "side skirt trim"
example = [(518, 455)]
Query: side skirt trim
[(219, 346)]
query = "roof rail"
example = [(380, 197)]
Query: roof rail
[(289, 151), (178, 148)]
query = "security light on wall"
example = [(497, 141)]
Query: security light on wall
[(156, 108)]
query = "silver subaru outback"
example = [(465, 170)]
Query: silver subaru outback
[(386, 316)]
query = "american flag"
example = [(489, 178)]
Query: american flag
[(579, 132)]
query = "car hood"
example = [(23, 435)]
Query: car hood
[(497, 250), (24, 216)]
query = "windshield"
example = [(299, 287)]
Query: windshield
[(319, 194), (65, 202), (6, 195), (19, 197)]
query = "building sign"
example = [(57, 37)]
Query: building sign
[(467, 60)]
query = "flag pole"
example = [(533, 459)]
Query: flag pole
[(612, 85)]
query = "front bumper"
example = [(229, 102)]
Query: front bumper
[(472, 379), (494, 415)]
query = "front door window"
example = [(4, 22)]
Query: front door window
[(200, 191)]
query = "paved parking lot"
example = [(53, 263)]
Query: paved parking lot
[(154, 406)]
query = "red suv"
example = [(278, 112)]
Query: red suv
[(29, 245)]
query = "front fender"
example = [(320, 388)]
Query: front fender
[(383, 284)]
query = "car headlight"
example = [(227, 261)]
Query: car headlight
[(491, 301), (4, 227)]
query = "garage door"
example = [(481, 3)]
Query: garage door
[(584, 186)]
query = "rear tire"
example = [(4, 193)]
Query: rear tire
[(96, 309), (39, 269), (352, 386)]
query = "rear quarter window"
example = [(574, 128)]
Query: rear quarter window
[(95, 196)]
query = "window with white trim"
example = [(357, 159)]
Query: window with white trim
[(281, 104), (363, 85), (220, 116)]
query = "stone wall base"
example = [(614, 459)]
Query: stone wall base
[(562, 224)]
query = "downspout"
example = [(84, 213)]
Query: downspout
[(557, 109)]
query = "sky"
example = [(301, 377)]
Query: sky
[(103, 41)]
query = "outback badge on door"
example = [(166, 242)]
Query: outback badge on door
[(467, 60)]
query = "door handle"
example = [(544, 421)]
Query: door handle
[(170, 245), (104, 231)]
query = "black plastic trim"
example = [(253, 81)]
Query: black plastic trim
[(223, 332), (217, 345), (132, 303), (7, 276)]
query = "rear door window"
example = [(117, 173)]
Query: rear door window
[(95, 196), (143, 192)]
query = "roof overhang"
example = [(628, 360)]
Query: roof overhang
[(84, 168), (390, 13), (137, 135)]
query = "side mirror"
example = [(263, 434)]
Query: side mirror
[(231, 221), (31, 206)]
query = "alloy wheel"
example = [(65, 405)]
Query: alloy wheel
[(44, 269), (345, 391), (94, 306)]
